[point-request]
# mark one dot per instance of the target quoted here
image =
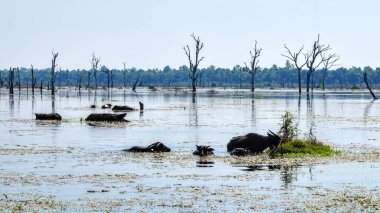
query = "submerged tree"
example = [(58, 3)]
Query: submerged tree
[(34, 80), (94, 65), (108, 73), (252, 68), (124, 74), (368, 86), (11, 77), (193, 65), (294, 56), (328, 62), (53, 74), (314, 59), (18, 79)]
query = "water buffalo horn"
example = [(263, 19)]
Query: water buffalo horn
[(272, 133)]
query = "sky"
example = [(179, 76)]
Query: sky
[(152, 33)]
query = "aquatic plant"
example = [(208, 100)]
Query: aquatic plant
[(292, 146), (288, 130)]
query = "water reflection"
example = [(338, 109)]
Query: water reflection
[(367, 109), (11, 106), (53, 104), (193, 114), (288, 175), (203, 163), (33, 103), (253, 110)]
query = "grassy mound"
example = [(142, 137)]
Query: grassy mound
[(292, 146), (299, 147)]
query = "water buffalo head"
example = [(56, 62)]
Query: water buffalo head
[(274, 139), (204, 150), (158, 147)]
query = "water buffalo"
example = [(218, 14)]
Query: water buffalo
[(254, 142), (122, 108), (48, 116), (203, 151), (107, 117), (155, 147), (106, 106)]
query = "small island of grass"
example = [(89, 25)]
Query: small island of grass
[(293, 146)]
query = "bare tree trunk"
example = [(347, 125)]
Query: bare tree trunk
[(194, 66), (368, 87), (124, 74), (252, 82), (88, 79), (312, 81), (67, 79), (240, 78), (111, 73), (34, 80), (313, 61), (308, 81), (252, 69), (53, 74), (323, 78), (94, 63), (299, 81), (41, 88), (135, 85), (18, 79), (328, 62), (11, 77)]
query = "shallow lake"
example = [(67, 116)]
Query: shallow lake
[(72, 160)]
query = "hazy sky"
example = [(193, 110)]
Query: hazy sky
[(152, 33)]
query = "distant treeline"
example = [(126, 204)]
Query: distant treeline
[(274, 77)]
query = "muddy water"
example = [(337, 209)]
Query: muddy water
[(78, 166)]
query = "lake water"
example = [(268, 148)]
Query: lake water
[(79, 163)]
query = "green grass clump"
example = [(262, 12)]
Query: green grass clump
[(299, 147), (292, 146)]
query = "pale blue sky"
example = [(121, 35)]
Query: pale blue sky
[(151, 33)]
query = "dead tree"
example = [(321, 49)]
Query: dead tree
[(67, 78), (328, 62), (194, 66), (252, 68), (41, 88), (314, 60), (124, 75), (34, 80), (1, 80), (294, 56), (53, 74), (94, 64), (18, 79), (11, 77), (135, 84), (111, 74), (108, 73), (368, 87), (88, 79)]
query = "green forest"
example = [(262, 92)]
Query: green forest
[(273, 77)]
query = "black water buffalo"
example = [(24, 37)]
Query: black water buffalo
[(48, 116), (108, 117), (122, 108), (155, 147), (254, 142), (106, 106), (203, 151)]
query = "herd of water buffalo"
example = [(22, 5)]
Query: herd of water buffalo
[(251, 143)]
